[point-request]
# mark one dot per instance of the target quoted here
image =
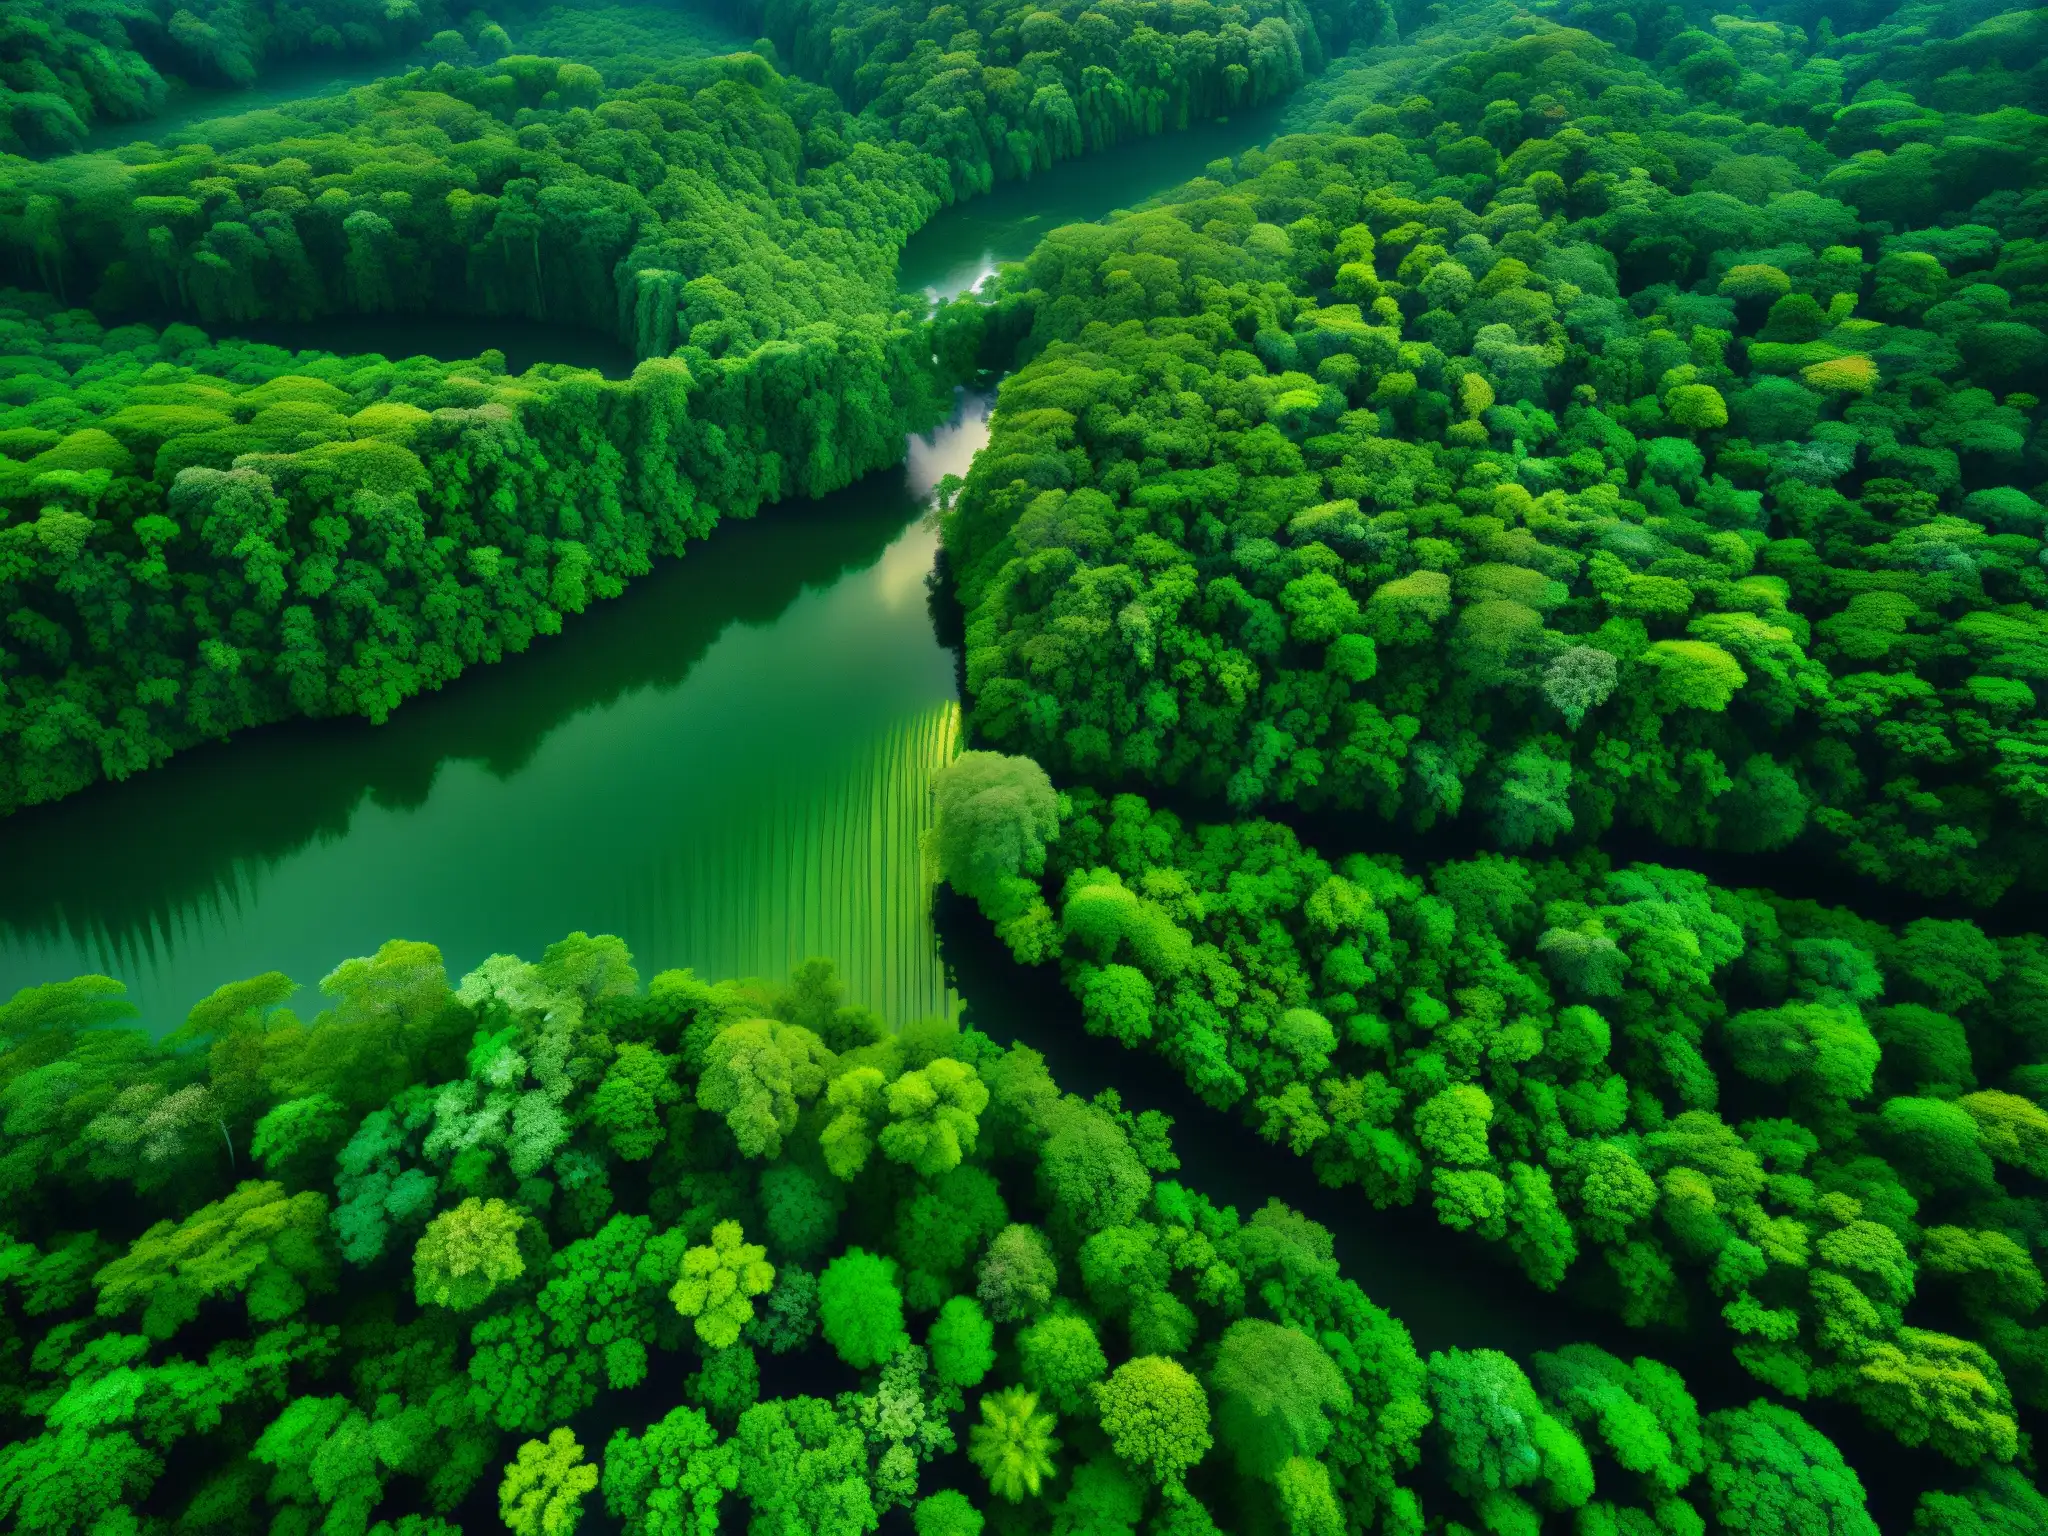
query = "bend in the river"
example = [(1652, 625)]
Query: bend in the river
[(727, 765)]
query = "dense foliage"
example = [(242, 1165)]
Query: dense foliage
[(1622, 424), (343, 1271), (208, 536), (624, 43), (1685, 1100), (1578, 445), (717, 207), (1790, 61), (1001, 89), (66, 65)]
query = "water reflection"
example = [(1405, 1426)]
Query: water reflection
[(963, 245), (727, 766)]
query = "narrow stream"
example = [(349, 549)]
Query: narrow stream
[(957, 250)]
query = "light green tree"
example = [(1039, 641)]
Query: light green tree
[(995, 816), (718, 1284), (934, 1116), (861, 1308), (758, 1073), (259, 1242), (670, 1480), (1156, 1416), (962, 1343), (1695, 674), (1275, 1389), (947, 1513), (544, 1487), (628, 1103), (1697, 407), (1452, 1125), (1013, 1445), (466, 1254), (855, 1100), (2014, 1130)]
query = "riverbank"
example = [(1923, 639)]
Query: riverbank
[(263, 851)]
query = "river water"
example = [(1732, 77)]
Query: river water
[(727, 766), (625, 42), (960, 247)]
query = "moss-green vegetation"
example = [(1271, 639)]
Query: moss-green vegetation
[(1708, 1108), (67, 65), (519, 187), (625, 43), (205, 537), (1560, 452), (1002, 89), (1622, 420), (1622, 425), (337, 1273)]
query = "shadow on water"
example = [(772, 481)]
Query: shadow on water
[(726, 765), (1446, 1287), (177, 831)]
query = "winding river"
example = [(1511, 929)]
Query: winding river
[(728, 767)]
